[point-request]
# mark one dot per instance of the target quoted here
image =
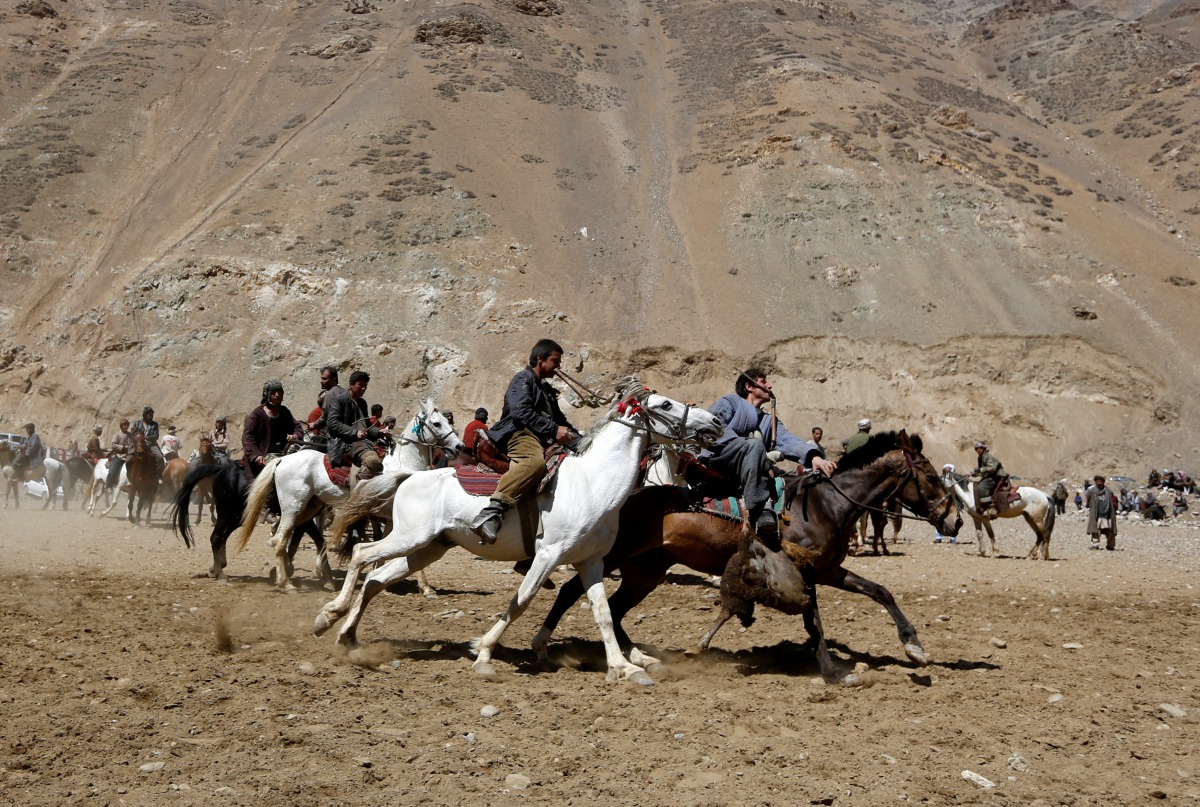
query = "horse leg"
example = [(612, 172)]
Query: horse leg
[(218, 539), (812, 623), (591, 571), (847, 580), (707, 638), (362, 556), (979, 522), (639, 576), (312, 530), (389, 573), (543, 564), (283, 566)]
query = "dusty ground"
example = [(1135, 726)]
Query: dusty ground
[(112, 661)]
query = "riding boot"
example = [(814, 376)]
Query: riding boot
[(767, 528), (987, 507), (487, 523)]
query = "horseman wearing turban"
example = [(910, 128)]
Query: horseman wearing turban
[(268, 430)]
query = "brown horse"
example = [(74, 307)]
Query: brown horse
[(660, 526), (173, 475), (139, 480)]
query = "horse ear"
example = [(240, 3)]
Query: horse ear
[(905, 443)]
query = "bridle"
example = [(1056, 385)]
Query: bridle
[(911, 461), (675, 427), (418, 432)]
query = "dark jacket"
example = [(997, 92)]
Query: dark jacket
[(341, 413), (261, 433), (330, 394), (530, 403)]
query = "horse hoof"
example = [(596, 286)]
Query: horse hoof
[(484, 669), (694, 651), (850, 680), (429, 594), (917, 654), (323, 623), (641, 678)]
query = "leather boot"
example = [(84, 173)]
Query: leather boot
[(767, 529), (987, 507), (488, 522)]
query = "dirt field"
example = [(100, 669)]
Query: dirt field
[(128, 677)]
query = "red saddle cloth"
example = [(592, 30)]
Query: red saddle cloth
[(480, 480), (476, 479), (339, 475)]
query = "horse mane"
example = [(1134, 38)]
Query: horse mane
[(876, 446), (629, 385)]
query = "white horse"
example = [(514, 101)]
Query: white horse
[(304, 488), (579, 523), (1034, 505), (98, 487)]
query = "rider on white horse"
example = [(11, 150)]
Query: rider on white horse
[(118, 452), (268, 430), (530, 422), (990, 472)]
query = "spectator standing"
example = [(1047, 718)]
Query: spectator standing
[(1102, 514)]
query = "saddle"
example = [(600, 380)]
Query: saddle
[(731, 506), (481, 479), (339, 474), (1004, 495)]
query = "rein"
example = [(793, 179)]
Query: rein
[(910, 475), (418, 439)]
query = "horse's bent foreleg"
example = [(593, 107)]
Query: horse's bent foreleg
[(362, 556), (847, 580), (378, 580)]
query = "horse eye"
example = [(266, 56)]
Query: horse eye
[(665, 405)]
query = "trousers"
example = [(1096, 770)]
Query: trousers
[(527, 466), (745, 459)]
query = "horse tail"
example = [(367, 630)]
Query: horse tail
[(364, 500), (183, 498), (256, 499), (1048, 521)]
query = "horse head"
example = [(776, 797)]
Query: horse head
[(667, 420)]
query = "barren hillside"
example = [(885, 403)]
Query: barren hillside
[(972, 219)]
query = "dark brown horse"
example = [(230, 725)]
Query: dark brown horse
[(140, 476), (659, 527)]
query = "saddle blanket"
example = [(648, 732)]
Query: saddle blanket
[(339, 475), (477, 480), (732, 508), (480, 480)]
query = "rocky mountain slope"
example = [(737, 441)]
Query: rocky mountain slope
[(970, 219)]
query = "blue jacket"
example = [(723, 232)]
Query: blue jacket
[(529, 403), (741, 418)]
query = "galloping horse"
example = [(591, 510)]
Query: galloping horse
[(139, 480), (303, 488), (661, 526), (1034, 505), (228, 487), (175, 471), (578, 513), (79, 472)]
